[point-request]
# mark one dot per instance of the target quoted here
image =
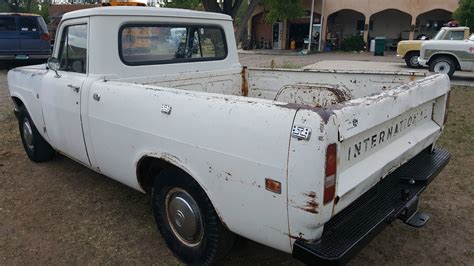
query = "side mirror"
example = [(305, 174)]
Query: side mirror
[(53, 64)]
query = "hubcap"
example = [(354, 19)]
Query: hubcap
[(28, 133), (442, 67), (184, 216), (414, 61)]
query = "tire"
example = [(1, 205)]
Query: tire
[(36, 147), (198, 239), (443, 64), (411, 59)]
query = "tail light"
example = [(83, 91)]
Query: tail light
[(330, 177), (45, 37), (448, 98)]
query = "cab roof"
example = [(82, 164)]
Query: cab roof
[(144, 11)]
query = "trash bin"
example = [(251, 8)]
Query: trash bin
[(379, 46)]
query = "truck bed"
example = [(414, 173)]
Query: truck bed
[(314, 88)]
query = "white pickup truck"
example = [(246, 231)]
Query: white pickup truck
[(313, 163)]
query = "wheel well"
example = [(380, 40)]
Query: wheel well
[(18, 102), (445, 55), (148, 168)]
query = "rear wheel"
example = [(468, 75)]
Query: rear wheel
[(411, 59), (36, 147), (443, 65), (187, 219)]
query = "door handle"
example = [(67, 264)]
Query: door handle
[(96, 97), (74, 88)]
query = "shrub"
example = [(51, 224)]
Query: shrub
[(353, 43)]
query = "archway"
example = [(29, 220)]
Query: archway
[(261, 32), (344, 23), (392, 24), (298, 29), (429, 23)]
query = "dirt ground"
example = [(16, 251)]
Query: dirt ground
[(62, 213)]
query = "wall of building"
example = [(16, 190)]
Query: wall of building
[(390, 25)]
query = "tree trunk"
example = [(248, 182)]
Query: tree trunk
[(211, 6), (240, 34)]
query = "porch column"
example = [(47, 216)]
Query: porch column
[(324, 31), (366, 29), (412, 27)]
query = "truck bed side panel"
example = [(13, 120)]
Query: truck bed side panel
[(221, 141)]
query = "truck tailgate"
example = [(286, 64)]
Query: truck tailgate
[(379, 133)]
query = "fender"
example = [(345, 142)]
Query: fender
[(181, 164)]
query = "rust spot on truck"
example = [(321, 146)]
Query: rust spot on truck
[(245, 82), (323, 113), (341, 95), (170, 159), (311, 204), (299, 236)]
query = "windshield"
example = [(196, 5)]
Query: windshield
[(439, 35)]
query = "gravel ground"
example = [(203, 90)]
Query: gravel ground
[(62, 213)]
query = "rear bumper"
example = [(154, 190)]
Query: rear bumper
[(395, 197), (422, 61)]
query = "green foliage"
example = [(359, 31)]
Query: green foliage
[(186, 4), (465, 13), (281, 10), (353, 43), (241, 15)]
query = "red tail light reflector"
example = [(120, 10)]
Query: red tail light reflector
[(45, 37), (330, 177)]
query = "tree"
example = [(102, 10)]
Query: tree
[(282, 10), (186, 4), (465, 13)]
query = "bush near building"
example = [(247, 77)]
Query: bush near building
[(353, 43)]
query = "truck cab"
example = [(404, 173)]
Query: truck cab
[(410, 50)]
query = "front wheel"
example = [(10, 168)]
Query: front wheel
[(443, 65), (411, 59), (36, 147), (187, 219)]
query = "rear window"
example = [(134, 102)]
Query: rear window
[(29, 24), (7, 23), (164, 44)]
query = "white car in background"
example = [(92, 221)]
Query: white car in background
[(448, 56)]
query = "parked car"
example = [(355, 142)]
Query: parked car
[(313, 163), (448, 56), (23, 36), (410, 50)]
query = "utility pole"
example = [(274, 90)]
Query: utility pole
[(311, 27), (320, 44)]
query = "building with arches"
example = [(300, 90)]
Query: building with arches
[(334, 20)]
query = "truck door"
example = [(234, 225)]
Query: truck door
[(61, 94)]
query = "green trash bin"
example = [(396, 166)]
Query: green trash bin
[(379, 46)]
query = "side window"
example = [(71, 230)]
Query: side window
[(73, 51), (7, 23), (156, 44), (456, 35), (29, 24)]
